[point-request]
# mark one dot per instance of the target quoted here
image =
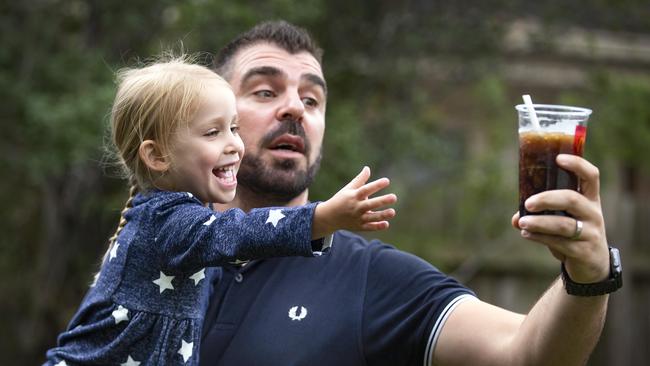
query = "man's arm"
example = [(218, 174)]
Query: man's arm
[(560, 329)]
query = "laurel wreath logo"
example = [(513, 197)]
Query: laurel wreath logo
[(298, 316)]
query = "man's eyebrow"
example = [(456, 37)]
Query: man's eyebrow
[(261, 71), (317, 80), (271, 71)]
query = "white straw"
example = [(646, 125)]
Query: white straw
[(531, 110)]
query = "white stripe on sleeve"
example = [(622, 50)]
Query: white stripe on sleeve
[(437, 327)]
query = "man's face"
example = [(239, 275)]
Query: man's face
[(281, 102)]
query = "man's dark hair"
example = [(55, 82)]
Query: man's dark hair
[(287, 36)]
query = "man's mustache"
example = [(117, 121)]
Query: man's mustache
[(287, 126)]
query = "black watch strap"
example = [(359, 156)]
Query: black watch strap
[(611, 284)]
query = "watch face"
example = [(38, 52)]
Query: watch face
[(611, 284), (615, 259)]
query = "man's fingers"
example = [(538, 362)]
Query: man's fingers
[(360, 179), (562, 227), (587, 259), (559, 246), (515, 220), (559, 256), (561, 200), (588, 173)]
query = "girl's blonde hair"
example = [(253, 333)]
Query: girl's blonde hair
[(151, 103)]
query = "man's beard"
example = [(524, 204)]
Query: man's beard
[(281, 181)]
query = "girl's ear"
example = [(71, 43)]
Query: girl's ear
[(152, 156)]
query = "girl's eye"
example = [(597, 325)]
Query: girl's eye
[(234, 129), (212, 132)]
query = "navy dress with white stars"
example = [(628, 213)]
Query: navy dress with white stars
[(147, 303)]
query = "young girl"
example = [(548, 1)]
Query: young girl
[(174, 125)]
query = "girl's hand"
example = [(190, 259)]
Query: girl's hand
[(351, 208)]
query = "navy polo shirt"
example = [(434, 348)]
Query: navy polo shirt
[(362, 303)]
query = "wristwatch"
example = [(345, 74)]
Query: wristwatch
[(611, 284)]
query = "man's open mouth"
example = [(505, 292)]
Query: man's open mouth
[(289, 143)]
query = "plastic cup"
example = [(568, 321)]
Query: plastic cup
[(561, 130)]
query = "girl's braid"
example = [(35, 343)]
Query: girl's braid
[(129, 204)]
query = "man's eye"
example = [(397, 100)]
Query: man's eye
[(264, 94), (310, 102)]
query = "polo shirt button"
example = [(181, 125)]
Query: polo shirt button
[(239, 277)]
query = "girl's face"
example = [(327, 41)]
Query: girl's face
[(205, 155)]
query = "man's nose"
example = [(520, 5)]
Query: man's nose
[(292, 108)]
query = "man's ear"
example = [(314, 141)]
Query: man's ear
[(152, 156)]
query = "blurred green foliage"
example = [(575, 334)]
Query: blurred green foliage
[(415, 93), (624, 106)]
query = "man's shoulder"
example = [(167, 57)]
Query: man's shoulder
[(348, 244), (351, 253)]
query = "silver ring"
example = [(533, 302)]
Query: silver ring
[(576, 234)]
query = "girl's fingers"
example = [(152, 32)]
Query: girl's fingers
[(375, 226), (360, 179), (372, 188), (376, 202), (374, 216)]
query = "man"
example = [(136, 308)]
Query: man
[(365, 303)]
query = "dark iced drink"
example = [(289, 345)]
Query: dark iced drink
[(538, 171), (561, 130)]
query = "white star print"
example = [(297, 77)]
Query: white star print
[(210, 220), (198, 276), (164, 282), (114, 251), (190, 195), (130, 362), (62, 363), (274, 217), (121, 314), (186, 350)]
